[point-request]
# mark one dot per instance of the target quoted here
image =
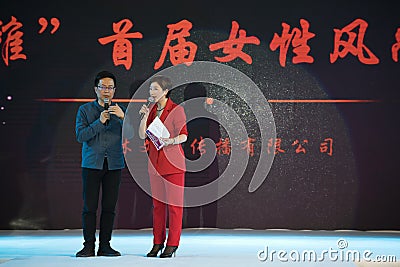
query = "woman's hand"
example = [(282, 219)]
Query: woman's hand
[(144, 110), (168, 141)]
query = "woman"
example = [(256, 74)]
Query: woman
[(166, 167)]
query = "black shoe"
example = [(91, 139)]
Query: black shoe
[(85, 252), (154, 251), (169, 251), (106, 250)]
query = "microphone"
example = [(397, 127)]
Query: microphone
[(149, 101), (106, 106)]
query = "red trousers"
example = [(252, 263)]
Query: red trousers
[(167, 192)]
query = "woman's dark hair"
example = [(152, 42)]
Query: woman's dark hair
[(104, 74), (164, 82)]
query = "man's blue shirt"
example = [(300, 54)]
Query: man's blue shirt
[(99, 140)]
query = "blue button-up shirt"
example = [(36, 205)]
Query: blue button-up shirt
[(99, 140)]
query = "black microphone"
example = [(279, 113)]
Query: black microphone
[(149, 101), (106, 106)]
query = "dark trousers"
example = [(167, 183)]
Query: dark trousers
[(203, 216), (109, 180)]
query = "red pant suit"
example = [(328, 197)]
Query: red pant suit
[(167, 176)]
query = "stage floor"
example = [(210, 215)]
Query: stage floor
[(208, 247)]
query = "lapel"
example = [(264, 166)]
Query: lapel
[(167, 110), (152, 114)]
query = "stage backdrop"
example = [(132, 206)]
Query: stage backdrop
[(329, 72)]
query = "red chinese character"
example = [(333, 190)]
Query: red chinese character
[(223, 146), (249, 146), (298, 38), (193, 146), (198, 145), (182, 51), (300, 148), (396, 46), (201, 146), (277, 146), (327, 146), (145, 146), (348, 45), (12, 46), (125, 147), (122, 50), (234, 45)]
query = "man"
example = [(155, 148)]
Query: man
[(204, 125), (99, 129)]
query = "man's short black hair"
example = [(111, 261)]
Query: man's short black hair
[(104, 74)]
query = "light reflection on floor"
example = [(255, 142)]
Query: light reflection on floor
[(208, 247)]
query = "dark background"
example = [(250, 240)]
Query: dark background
[(357, 188)]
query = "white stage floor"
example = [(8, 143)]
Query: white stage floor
[(208, 247)]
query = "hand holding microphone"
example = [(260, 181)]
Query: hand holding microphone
[(144, 111), (105, 116)]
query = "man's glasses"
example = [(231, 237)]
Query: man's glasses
[(102, 88)]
